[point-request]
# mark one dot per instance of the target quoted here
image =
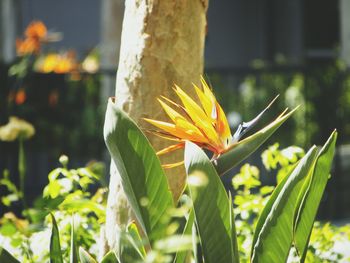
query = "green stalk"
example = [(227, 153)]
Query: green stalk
[(22, 167)]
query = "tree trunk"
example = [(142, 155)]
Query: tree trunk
[(112, 12), (162, 45)]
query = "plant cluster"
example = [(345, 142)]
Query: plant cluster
[(71, 195), (255, 223)]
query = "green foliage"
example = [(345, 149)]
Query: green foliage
[(291, 206), (85, 257), (251, 198), (275, 224), (13, 193), (276, 219), (273, 158), (67, 193)]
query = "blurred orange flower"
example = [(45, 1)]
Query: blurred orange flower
[(36, 30), (53, 98), (21, 97), (27, 46), (35, 33)]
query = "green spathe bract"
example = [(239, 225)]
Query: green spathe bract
[(239, 151)]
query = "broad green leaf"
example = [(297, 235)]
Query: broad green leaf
[(85, 257), (131, 248), (195, 243), (211, 206), (274, 231), (181, 255), (312, 195), (242, 149), (5, 256), (143, 178), (110, 257), (73, 246), (233, 230), (174, 243), (136, 239), (55, 246)]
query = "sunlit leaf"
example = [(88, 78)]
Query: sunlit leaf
[(274, 231), (6, 257), (312, 195), (85, 257), (55, 246), (73, 244), (143, 178), (211, 206), (110, 257)]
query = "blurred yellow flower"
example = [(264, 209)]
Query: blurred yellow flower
[(16, 128), (56, 62), (205, 124), (20, 224)]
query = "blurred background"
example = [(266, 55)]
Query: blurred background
[(255, 50)]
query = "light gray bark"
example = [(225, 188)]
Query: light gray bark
[(162, 44), (9, 28), (345, 30), (112, 12)]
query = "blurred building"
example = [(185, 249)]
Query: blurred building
[(239, 32)]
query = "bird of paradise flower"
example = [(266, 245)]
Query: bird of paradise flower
[(205, 124)]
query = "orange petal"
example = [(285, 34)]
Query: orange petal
[(198, 116), (172, 165), (222, 127), (171, 148), (182, 123), (165, 135), (168, 127), (174, 130), (205, 101), (207, 92), (190, 130), (170, 111)]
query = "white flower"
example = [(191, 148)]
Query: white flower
[(16, 128)]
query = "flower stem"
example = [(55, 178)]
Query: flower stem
[(22, 167)]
